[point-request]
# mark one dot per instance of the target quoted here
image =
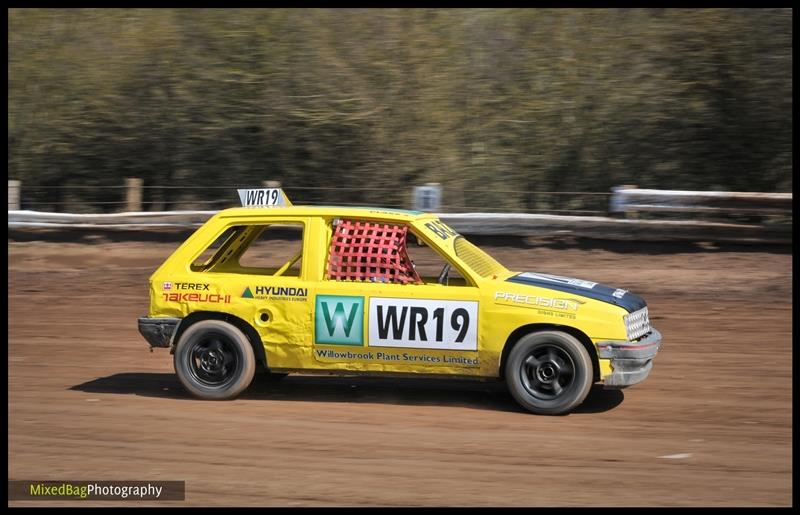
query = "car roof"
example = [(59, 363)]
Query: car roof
[(381, 213)]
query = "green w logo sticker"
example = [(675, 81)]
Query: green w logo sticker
[(339, 320)]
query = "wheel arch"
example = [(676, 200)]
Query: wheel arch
[(518, 333), (247, 329)]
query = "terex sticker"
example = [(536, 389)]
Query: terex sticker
[(339, 320), (423, 324)]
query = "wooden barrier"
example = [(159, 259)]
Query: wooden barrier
[(630, 200), (595, 227)]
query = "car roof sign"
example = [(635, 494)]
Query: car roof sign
[(263, 197)]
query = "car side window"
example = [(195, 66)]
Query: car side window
[(264, 249), (212, 254), (370, 252), (384, 252), (430, 265)]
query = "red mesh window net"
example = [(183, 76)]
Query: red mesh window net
[(367, 251)]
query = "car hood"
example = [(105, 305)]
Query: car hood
[(590, 289)]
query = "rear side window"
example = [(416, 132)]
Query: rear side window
[(209, 255), (265, 249), (275, 250)]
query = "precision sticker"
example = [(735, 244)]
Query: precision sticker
[(539, 302), (423, 324)]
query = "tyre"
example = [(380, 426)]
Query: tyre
[(549, 372), (214, 360)]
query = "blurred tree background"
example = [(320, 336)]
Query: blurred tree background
[(492, 103)]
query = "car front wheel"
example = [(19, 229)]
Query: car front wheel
[(214, 360), (549, 372)]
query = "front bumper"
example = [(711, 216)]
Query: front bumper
[(158, 331), (631, 362)]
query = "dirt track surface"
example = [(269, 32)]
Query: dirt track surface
[(711, 426)]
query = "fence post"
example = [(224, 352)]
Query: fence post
[(133, 187), (13, 195)]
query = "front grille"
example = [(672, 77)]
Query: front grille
[(637, 324)]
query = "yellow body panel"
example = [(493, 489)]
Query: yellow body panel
[(286, 314)]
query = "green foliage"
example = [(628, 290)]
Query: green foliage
[(380, 100)]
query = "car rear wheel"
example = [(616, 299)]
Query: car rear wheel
[(214, 360), (549, 372)]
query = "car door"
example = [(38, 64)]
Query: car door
[(385, 323), (264, 267)]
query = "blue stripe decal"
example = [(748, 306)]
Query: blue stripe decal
[(627, 300)]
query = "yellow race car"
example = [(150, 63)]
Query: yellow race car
[(348, 290)]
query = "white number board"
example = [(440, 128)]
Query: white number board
[(263, 197), (423, 324)]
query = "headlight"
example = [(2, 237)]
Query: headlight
[(637, 324)]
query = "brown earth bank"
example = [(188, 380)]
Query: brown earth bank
[(711, 426)]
